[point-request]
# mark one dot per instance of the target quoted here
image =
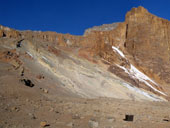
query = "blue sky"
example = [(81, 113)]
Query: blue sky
[(72, 16)]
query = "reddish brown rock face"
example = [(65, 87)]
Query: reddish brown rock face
[(7, 32), (148, 41)]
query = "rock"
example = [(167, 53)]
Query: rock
[(57, 112), (44, 124), (108, 127), (18, 45), (40, 77), (166, 118), (51, 109), (32, 116), (76, 116), (1, 33), (104, 27), (45, 90), (27, 82), (93, 124), (129, 118), (70, 124), (7, 32), (111, 119), (15, 109)]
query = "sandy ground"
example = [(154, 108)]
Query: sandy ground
[(25, 107)]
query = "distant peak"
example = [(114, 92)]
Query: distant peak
[(140, 9), (136, 12)]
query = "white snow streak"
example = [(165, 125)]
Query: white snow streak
[(141, 92), (30, 54), (126, 70), (45, 58), (136, 74), (140, 75), (118, 51)]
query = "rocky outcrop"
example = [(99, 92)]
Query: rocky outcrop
[(8, 32), (104, 27)]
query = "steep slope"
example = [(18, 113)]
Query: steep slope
[(128, 60), (65, 74)]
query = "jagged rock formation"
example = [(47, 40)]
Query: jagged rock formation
[(104, 27), (137, 51)]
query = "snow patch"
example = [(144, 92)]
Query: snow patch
[(133, 72), (30, 54), (136, 74), (140, 75), (118, 51), (126, 70), (141, 92), (44, 58)]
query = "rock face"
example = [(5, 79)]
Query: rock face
[(136, 50), (7, 32), (148, 41), (104, 27)]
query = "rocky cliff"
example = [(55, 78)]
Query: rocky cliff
[(136, 51)]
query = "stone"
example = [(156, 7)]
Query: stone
[(40, 76), (51, 109), (108, 127), (70, 124), (15, 109), (45, 90), (76, 116), (129, 118), (111, 119), (44, 124), (1, 33), (166, 119), (32, 116), (93, 124), (27, 82)]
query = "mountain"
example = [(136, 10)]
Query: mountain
[(112, 65), (133, 55)]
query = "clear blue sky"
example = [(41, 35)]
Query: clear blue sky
[(72, 16)]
